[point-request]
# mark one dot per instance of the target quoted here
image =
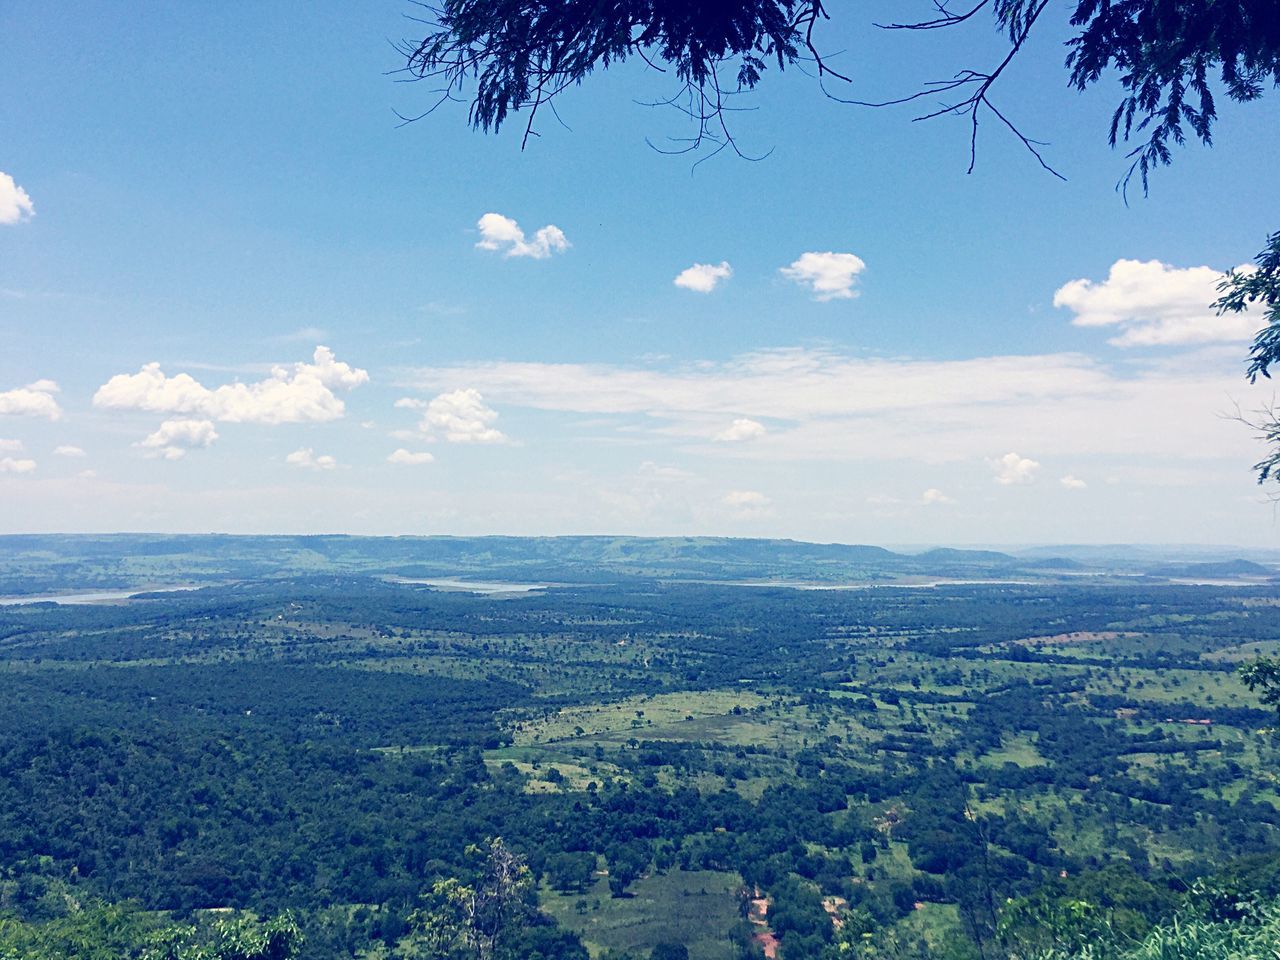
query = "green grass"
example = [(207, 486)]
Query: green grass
[(933, 923), (1189, 938), (576, 776), (1169, 686), (1018, 749), (642, 717), (695, 908)]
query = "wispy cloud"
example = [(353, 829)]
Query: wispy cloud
[(303, 335), (748, 504), (833, 406), (305, 458), (409, 458)]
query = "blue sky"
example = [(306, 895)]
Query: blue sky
[(223, 189)]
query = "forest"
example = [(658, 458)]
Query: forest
[(349, 764)]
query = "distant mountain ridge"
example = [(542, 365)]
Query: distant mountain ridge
[(1223, 568), (32, 563), (950, 554)]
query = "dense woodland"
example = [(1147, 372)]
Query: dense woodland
[(971, 771)]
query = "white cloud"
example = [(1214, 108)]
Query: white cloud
[(297, 393), (1073, 483), (794, 384), (502, 233), (175, 437), (1012, 469), (1152, 303), (747, 503), (10, 446), (13, 465), (837, 407), (305, 458), (33, 400), (409, 458), (67, 450), (15, 204), (703, 277), (741, 429), (831, 276), (934, 495), (462, 417)]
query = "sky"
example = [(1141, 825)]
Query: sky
[(237, 294)]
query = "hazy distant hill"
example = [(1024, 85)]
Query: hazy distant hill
[(33, 564), (1053, 563), (1216, 569), (1102, 554), (951, 555)]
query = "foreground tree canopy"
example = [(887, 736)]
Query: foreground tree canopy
[(510, 56)]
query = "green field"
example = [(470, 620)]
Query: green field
[(695, 908)]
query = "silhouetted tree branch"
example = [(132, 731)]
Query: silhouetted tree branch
[(506, 56)]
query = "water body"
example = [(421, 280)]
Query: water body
[(484, 587), (1103, 580), (1190, 582), (878, 585), (96, 596)]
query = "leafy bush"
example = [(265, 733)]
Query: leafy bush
[(1194, 936)]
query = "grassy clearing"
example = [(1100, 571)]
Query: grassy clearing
[(934, 923), (695, 908), (641, 717), (1244, 651), (575, 776), (1171, 686), (1020, 750)]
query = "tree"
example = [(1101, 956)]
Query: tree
[(1264, 675), (472, 921), (114, 931), (1240, 289), (509, 56), (626, 863), (669, 951), (570, 872), (238, 938)]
